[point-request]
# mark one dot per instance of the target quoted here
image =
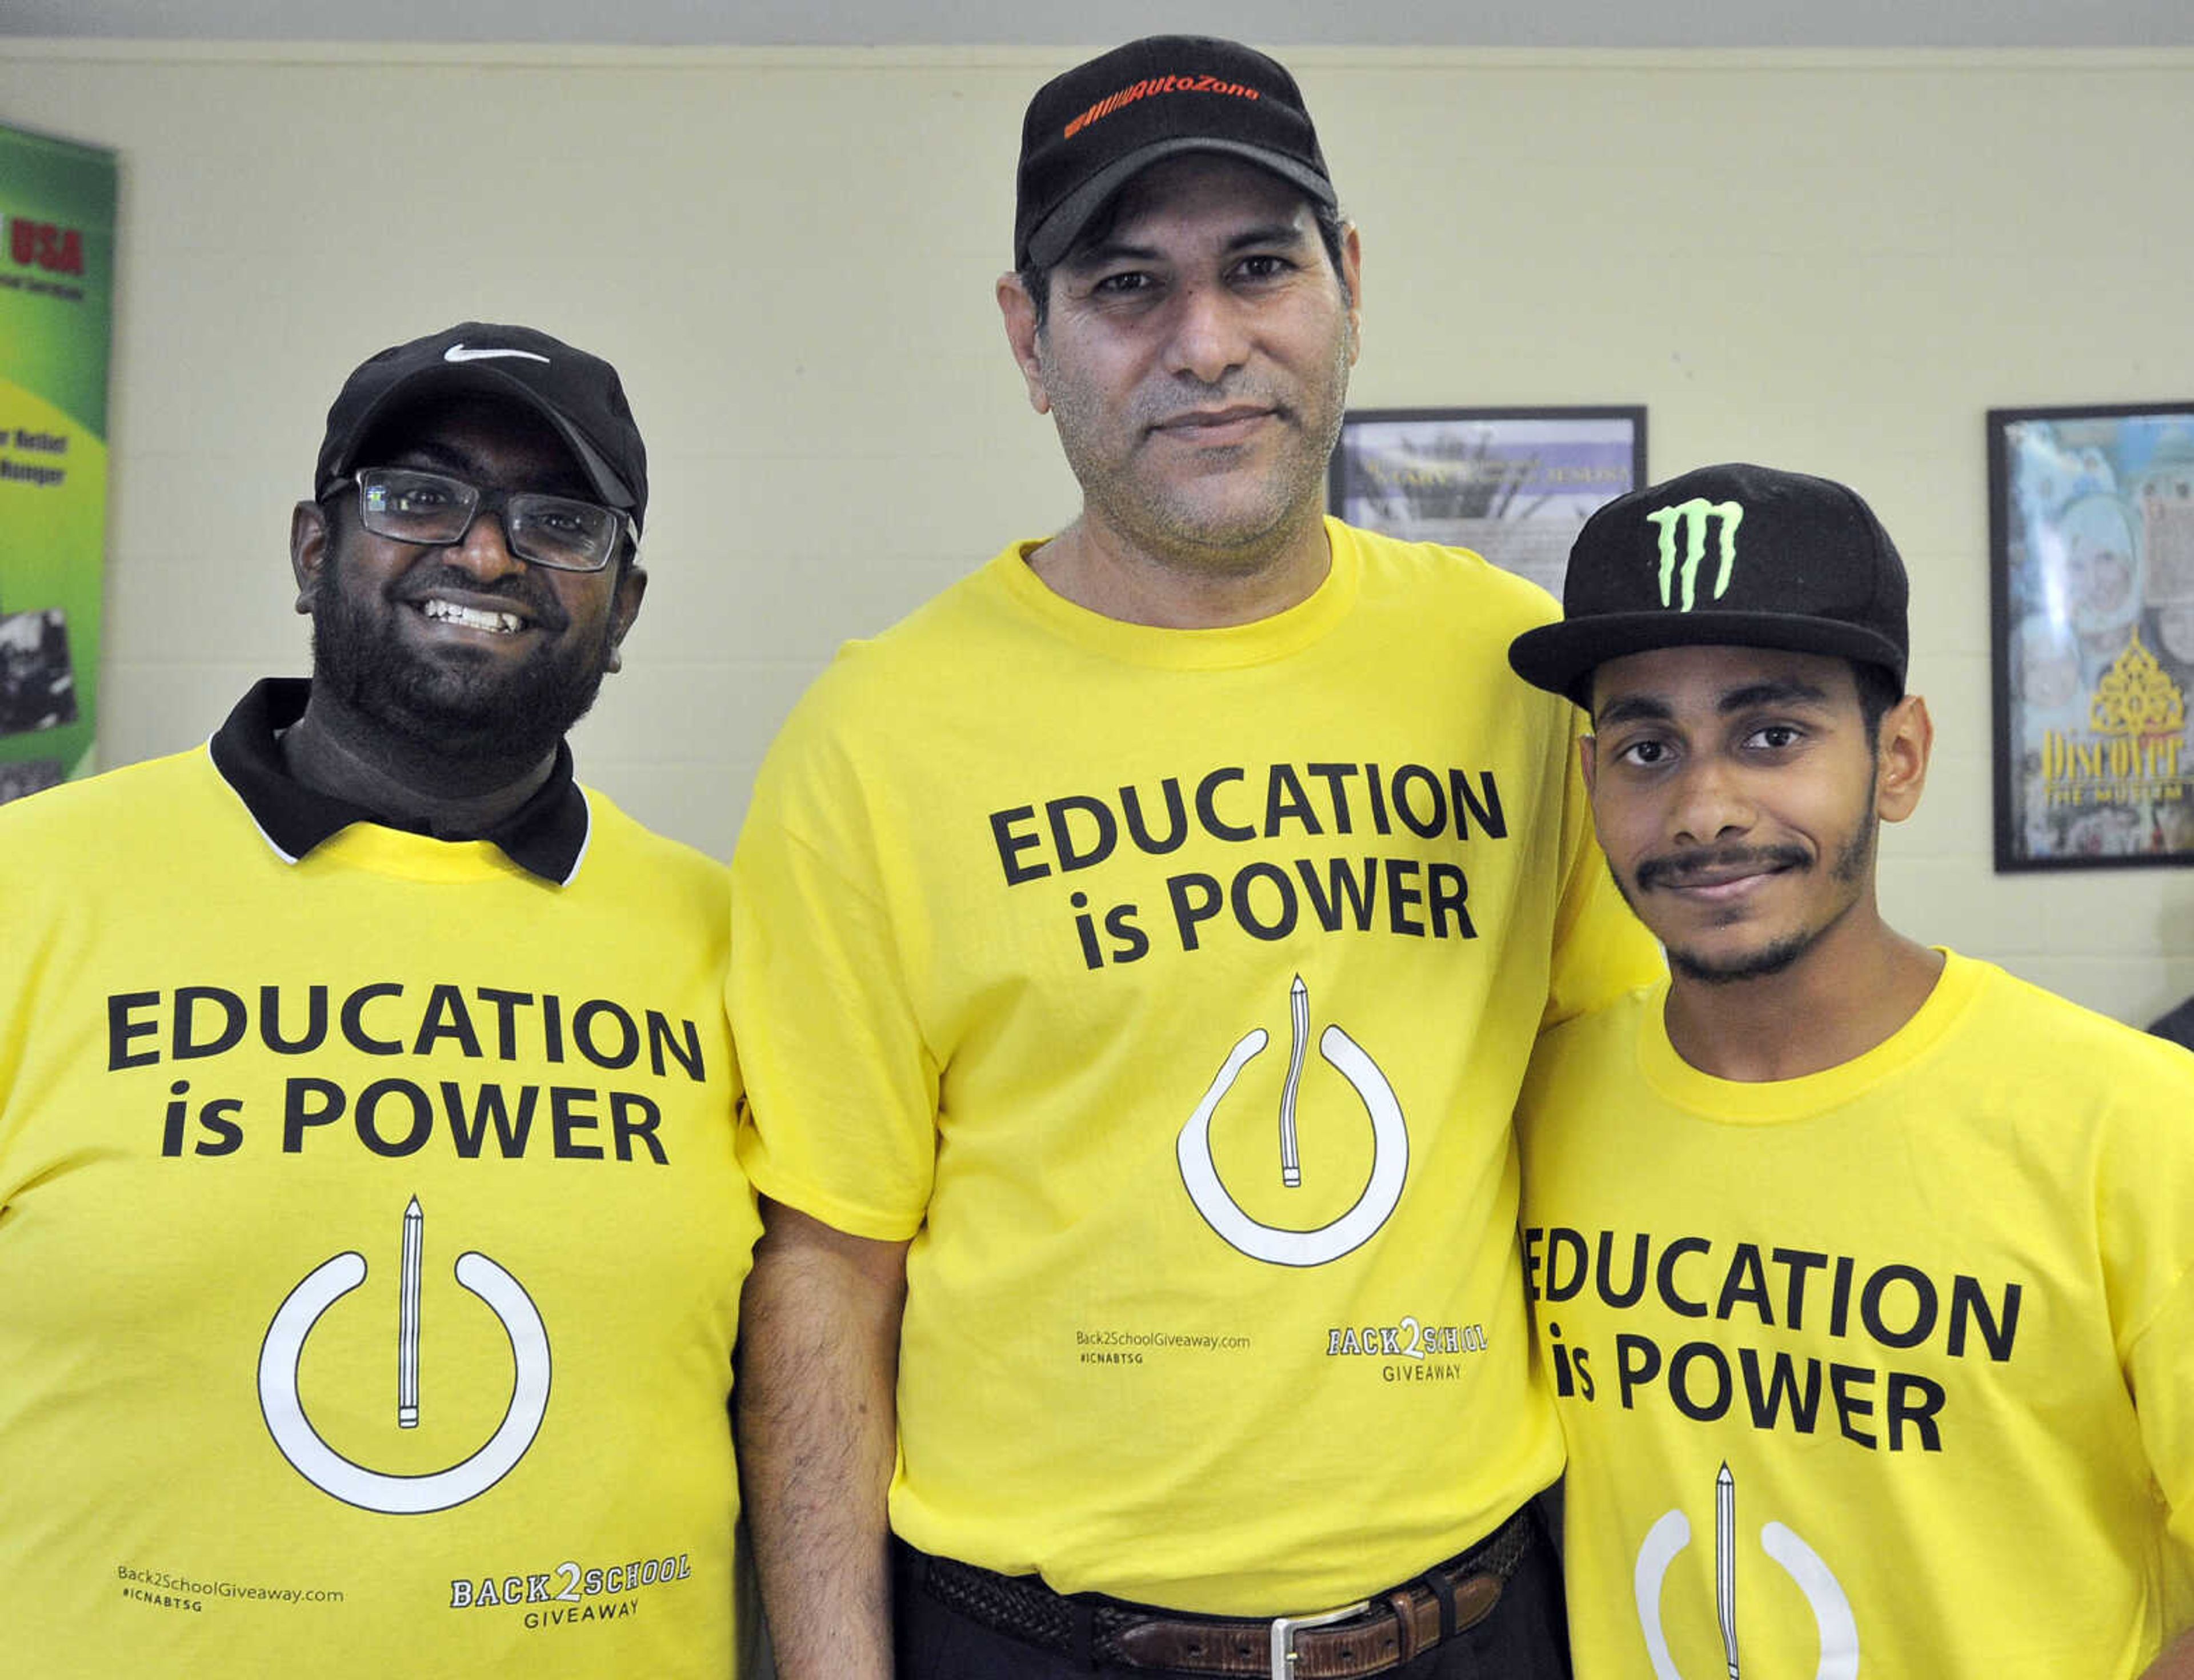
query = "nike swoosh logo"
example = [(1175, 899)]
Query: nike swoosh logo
[(457, 353)]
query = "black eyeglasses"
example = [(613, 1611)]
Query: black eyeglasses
[(434, 510)]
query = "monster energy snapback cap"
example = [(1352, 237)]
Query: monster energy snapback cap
[(1732, 555), (1089, 132), (577, 394)]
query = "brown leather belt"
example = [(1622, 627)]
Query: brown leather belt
[(1368, 1638)]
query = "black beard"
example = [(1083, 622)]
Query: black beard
[(1768, 960), (1850, 865), (455, 711)]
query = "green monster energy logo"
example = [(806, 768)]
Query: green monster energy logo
[(1694, 517)]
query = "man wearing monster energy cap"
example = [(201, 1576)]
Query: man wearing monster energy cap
[(1864, 1272), (1136, 955), (370, 1233)]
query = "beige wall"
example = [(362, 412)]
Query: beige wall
[(1828, 263)]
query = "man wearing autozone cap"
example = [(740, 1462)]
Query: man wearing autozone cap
[(370, 1232), (1136, 955), (1863, 1270)]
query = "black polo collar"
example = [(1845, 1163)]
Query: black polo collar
[(547, 836)]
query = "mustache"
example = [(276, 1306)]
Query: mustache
[(521, 588), (1179, 404), (1680, 868)]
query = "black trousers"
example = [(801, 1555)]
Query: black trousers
[(1525, 1638)]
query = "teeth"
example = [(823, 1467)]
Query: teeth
[(472, 618)]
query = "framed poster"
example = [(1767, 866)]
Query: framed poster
[(2091, 539), (1513, 483), (56, 314)]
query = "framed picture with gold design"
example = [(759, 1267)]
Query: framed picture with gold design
[(2091, 534)]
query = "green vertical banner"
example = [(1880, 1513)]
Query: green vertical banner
[(56, 325)]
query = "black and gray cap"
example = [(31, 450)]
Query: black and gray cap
[(1089, 131), (578, 394), (1734, 555)]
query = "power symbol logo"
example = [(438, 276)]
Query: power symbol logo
[(328, 1470), (1277, 1244), (1824, 1595)]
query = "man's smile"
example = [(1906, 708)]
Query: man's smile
[(1715, 876), (451, 601), (1234, 423), (441, 610)]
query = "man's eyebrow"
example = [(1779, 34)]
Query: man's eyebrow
[(1775, 692), (1632, 708), (1284, 233), (1780, 691), (1291, 231), (1110, 250), (434, 455)]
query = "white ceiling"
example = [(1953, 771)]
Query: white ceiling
[(893, 23)]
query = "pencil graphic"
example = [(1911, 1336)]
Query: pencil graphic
[(1299, 1020), (407, 1319), (1726, 1563)]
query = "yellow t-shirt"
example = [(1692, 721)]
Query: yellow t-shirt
[(1888, 1370), (370, 1243), (1171, 990)]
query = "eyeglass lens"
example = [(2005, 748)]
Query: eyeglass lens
[(432, 509)]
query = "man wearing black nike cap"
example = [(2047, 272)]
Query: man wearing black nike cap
[(447, 679), (1864, 1272), (371, 1236), (1136, 953)]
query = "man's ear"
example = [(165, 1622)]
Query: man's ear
[(630, 590), (1019, 309), (1588, 760), (1906, 739), (309, 550), (1352, 274)]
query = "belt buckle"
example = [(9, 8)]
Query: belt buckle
[(1284, 1629)]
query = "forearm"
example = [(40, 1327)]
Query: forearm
[(2176, 1661), (817, 1436)]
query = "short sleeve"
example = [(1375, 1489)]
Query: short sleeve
[(2145, 1206), (1601, 949), (839, 1119)]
